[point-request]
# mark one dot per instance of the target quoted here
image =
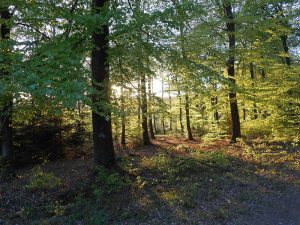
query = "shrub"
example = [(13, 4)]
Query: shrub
[(108, 182), (257, 128), (43, 180)]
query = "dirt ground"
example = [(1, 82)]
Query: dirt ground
[(174, 181)]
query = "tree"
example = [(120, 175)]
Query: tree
[(102, 128), (230, 25), (187, 113), (7, 100), (123, 118), (144, 107), (150, 101)]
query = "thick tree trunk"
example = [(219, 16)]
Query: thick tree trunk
[(150, 110), (146, 138), (102, 129), (235, 118), (123, 132), (6, 133), (5, 114), (188, 119)]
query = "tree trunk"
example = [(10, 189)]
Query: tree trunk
[(123, 132), (102, 128), (180, 107), (163, 125), (214, 103), (150, 110), (187, 114), (5, 117), (162, 98), (180, 112), (263, 73), (170, 107), (235, 118), (146, 138), (255, 112), (139, 103), (154, 125), (286, 49)]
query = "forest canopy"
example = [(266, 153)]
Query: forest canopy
[(219, 68)]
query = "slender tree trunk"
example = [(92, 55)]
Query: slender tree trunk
[(102, 128), (146, 138), (6, 111), (154, 125), (80, 122), (180, 107), (139, 103), (255, 112), (153, 116), (216, 113), (214, 103), (286, 49), (188, 121), (235, 118), (171, 118), (162, 98), (123, 132), (170, 106), (263, 73), (180, 113), (150, 110)]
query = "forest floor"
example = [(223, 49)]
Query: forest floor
[(173, 181)]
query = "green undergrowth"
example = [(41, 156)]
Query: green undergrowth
[(173, 167), (43, 180), (184, 184)]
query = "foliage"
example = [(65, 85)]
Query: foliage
[(41, 180), (108, 183), (173, 168)]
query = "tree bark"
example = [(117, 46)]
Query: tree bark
[(6, 115), (255, 112), (170, 106), (187, 114), (286, 49), (139, 103), (150, 110), (230, 25), (123, 132), (102, 128), (146, 138), (162, 98), (214, 103)]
